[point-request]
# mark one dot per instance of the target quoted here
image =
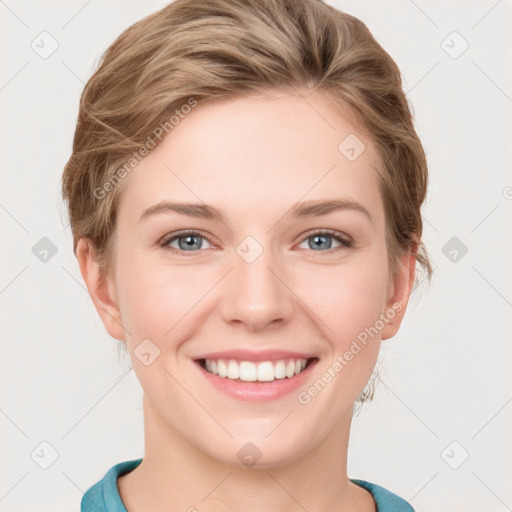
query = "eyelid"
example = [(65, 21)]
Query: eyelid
[(331, 232), (176, 234), (346, 241)]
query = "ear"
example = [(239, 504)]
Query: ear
[(101, 289), (399, 291)]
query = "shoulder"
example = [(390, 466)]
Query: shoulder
[(386, 500), (103, 496)]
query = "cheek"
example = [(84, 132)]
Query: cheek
[(348, 299), (158, 297)]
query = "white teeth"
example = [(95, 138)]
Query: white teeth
[(223, 371), (233, 370), (280, 370), (248, 371), (265, 371)]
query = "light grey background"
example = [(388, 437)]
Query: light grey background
[(444, 378)]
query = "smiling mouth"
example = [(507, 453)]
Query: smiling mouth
[(249, 371)]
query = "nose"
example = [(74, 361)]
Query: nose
[(256, 293)]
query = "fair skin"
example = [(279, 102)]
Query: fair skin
[(253, 159)]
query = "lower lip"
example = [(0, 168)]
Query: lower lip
[(258, 391)]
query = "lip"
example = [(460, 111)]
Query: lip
[(255, 356), (256, 391)]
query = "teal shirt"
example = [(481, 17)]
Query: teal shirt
[(103, 496)]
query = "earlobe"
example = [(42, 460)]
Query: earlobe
[(100, 288), (400, 291)]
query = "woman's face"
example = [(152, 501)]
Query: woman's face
[(253, 278)]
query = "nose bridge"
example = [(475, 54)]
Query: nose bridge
[(256, 296)]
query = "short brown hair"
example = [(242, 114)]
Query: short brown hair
[(226, 48)]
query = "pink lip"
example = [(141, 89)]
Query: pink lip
[(257, 391), (250, 355)]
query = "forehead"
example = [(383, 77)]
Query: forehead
[(258, 153)]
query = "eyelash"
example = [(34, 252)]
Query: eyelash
[(345, 243)]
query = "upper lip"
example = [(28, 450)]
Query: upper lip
[(251, 355)]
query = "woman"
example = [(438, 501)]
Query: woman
[(244, 192)]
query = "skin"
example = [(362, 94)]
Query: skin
[(253, 158)]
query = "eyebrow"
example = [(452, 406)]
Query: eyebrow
[(305, 209)]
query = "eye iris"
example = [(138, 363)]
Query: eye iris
[(189, 243), (322, 238)]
